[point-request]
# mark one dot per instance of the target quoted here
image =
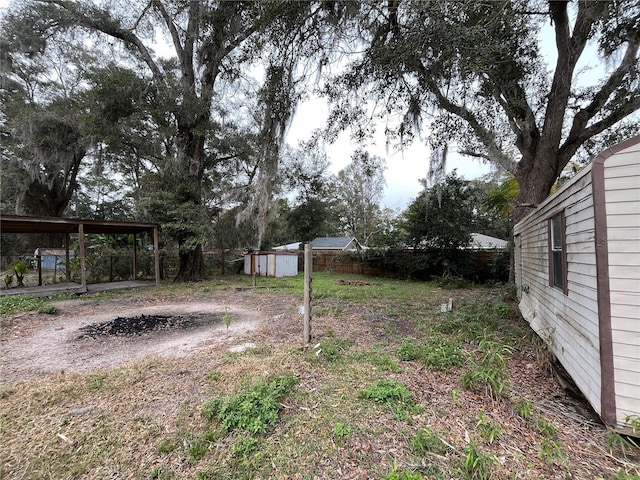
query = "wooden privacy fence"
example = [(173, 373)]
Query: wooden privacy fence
[(480, 262)]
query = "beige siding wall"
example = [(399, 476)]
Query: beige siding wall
[(622, 193), (568, 323)]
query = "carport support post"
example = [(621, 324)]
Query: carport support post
[(308, 268), (83, 266), (67, 258), (156, 252)]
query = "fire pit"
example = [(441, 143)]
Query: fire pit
[(144, 324)]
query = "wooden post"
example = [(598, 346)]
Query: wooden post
[(135, 257), (67, 257), (308, 269), (156, 251), (83, 265)]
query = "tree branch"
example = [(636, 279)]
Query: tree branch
[(494, 154), (582, 118), (111, 30)]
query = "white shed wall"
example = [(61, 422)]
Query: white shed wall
[(271, 264), (568, 323), (622, 191)]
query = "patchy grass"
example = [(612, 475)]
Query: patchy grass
[(395, 390), (22, 303)]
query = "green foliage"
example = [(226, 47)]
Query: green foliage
[(545, 427), (441, 221), (395, 474), (490, 372), (394, 395), (551, 452), (243, 447), (615, 441), (475, 465), (253, 410), (488, 429), (332, 350), (621, 475), (166, 446), (227, 317), (19, 303), (427, 441), (523, 408), (634, 422), (341, 431), (436, 353)]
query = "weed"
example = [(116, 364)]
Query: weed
[(615, 441), (441, 354), (476, 465), (243, 447), (383, 362), (197, 449), (227, 317), (408, 351), (437, 353), (545, 428), (490, 372), (253, 410), (488, 430), (165, 446), (492, 378), (524, 408), (159, 473), (427, 441), (621, 475), (501, 309), (333, 348), (341, 431), (395, 474), (20, 303), (393, 394), (634, 422), (97, 380), (550, 451)]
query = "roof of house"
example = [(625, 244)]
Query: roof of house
[(325, 243), (485, 242), (288, 246), (334, 243)]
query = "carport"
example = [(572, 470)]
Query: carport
[(81, 227)]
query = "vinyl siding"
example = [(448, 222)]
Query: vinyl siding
[(568, 323), (622, 191)]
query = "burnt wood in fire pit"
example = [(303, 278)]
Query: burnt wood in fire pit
[(130, 326)]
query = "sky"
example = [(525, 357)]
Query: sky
[(404, 169)]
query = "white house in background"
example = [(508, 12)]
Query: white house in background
[(577, 266), (485, 242), (327, 243)]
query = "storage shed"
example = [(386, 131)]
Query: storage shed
[(577, 266), (271, 264)]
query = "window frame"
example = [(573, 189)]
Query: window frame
[(557, 251)]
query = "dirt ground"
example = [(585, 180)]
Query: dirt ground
[(36, 345)]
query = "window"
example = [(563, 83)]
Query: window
[(557, 252)]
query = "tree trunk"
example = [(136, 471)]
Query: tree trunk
[(535, 176), (191, 265)]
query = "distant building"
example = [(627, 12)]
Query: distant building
[(344, 244)]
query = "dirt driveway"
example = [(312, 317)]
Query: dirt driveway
[(35, 345)]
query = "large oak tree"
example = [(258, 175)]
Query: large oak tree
[(211, 43), (505, 80)]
